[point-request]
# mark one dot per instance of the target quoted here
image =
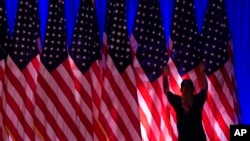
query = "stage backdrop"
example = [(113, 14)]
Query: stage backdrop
[(239, 20)]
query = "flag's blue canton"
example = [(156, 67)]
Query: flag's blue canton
[(118, 40), (185, 50), (3, 30), (215, 36), (85, 47), (149, 34), (24, 42), (55, 50)]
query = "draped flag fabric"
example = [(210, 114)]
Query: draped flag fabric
[(55, 109), (149, 47), (21, 72), (3, 44), (113, 91), (217, 56), (86, 54), (120, 106)]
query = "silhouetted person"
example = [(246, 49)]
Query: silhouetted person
[(188, 107)]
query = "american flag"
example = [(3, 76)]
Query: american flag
[(86, 54), (55, 109), (217, 56), (3, 43), (149, 46), (21, 72), (184, 51), (120, 106)]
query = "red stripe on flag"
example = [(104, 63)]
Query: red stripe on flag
[(229, 85), (99, 120), (25, 96), (170, 112), (108, 100), (148, 130), (151, 99), (70, 96), (87, 100), (19, 88), (39, 126), (19, 120), (59, 106), (11, 127)]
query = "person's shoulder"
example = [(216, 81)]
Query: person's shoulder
[(171, 94), (203, 91), (174, 99), (202, 94)]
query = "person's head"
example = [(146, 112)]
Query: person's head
[(187, 90), (187, 86)]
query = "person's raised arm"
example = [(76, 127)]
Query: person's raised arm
[(165, 80), (203, 77), (172, 98)]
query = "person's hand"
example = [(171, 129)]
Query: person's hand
[(165, 70), (202, 67)]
